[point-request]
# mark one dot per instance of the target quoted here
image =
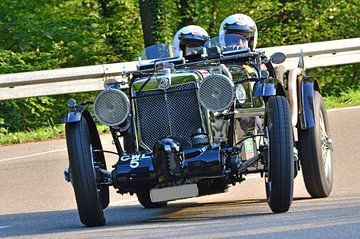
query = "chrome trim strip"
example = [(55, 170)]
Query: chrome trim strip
[(249, 112)]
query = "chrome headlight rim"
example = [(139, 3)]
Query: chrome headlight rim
[(240, 90), (127, 104), (232, 86)]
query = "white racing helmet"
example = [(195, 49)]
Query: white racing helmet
[(239, 24), (189, 40)]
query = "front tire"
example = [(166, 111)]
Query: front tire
[(81, 157), (280, 155), (315, 153)]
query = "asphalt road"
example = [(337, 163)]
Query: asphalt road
[(36, 202)]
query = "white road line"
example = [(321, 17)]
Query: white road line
[(347, 108), (31, 155), (3, 227)]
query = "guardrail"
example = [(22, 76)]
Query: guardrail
[(320, 54), (60, 81), (91, 78)]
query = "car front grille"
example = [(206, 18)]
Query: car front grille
[(174, 112)]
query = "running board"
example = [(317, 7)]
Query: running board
[(174, 193)]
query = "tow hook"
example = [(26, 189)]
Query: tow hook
[(67, 174)]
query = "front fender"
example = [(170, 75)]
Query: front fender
[(73, 115), (306, 102), (268, 87)]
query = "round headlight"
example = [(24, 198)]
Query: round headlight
[(240, 93), (216, 92), (112, 107)]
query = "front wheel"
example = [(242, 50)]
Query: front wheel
[(279, 164), (315, 152), (89, 196)]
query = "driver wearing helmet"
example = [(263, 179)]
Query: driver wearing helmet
[(238, 24), (190, 40)]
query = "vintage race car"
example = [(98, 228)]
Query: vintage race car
[(191, 127)]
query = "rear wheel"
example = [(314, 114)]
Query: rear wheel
[(279, 165), (143, 196), (90, 198), (315, 152)]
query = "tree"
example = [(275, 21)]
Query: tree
[(152, 20), (42, 34)]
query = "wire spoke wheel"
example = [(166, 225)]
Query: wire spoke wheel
[(325, 147), (315, 153)]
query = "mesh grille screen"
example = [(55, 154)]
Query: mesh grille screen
[(170, 114), (175, 164), (216, 92), (111, 107)]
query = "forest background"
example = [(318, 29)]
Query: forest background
[(50, 34)]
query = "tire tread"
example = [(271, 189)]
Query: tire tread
[(281, 154), (88, 202)]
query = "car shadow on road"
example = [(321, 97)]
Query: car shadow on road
[(200, 211), (54, 222)]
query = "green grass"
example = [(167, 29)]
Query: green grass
[(41, 134), (346, 99)]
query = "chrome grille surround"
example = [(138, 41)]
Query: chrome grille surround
[(174, 112), (216, 92), (111, 107)]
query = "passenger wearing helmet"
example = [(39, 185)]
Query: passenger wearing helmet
[(190, 40), (238, 24), (244, 26)]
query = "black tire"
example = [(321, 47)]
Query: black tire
[(315, 153), (143, 196), (83, 174), (279, 178)]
